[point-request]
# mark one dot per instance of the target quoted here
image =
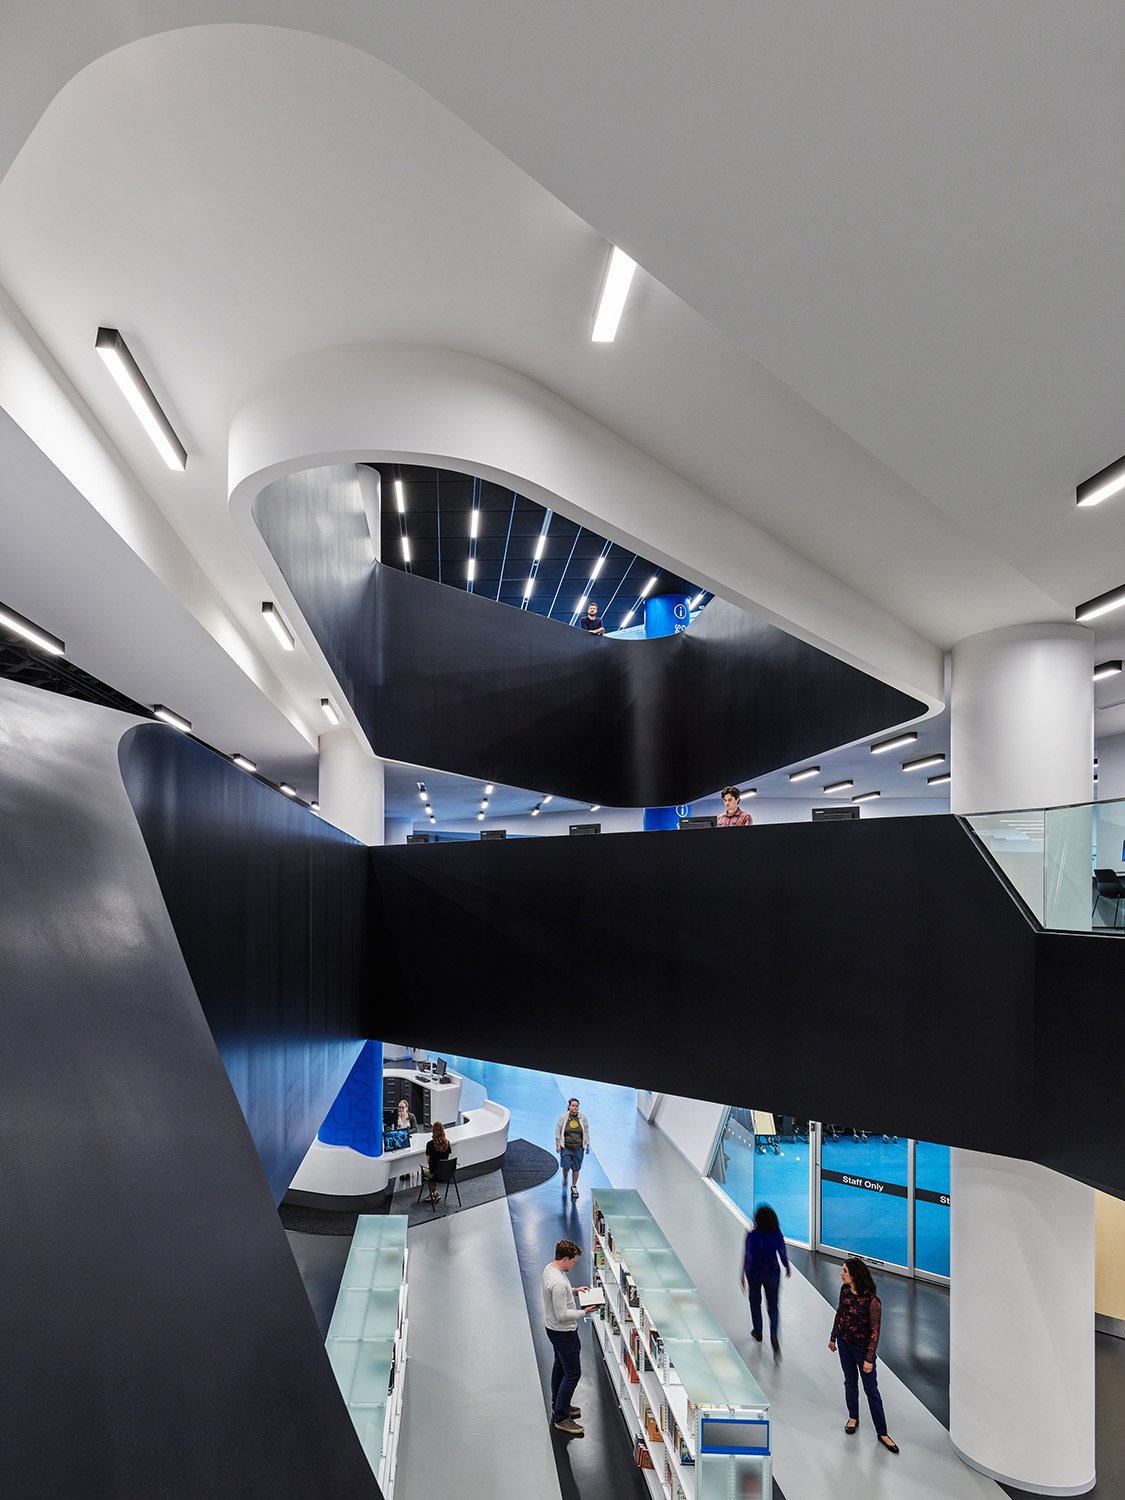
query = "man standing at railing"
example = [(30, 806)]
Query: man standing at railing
[(734, 817)]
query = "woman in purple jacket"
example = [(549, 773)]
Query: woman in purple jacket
[(855, 1333), (762, 1259)]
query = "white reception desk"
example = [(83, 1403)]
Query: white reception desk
[(340, 1172), (408, 1084)]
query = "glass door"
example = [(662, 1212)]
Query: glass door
[(865, 1189), (931, 1210)]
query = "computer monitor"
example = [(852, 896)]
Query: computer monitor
[(440, 1067), (424, 1065), (389, 1116), (698, 822)]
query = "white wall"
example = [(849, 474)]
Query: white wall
[(692, 1125)]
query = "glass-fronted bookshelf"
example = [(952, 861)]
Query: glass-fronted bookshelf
[(698, 1420), (366, 1340)]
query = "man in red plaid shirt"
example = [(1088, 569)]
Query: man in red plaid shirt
[(734, 817)]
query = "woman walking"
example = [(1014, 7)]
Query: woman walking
[(763, 1256), (855, 1336)]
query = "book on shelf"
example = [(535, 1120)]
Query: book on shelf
[(642, 1456), (632, 1296), (683, 1452), (669, 1480), (631, 1369)]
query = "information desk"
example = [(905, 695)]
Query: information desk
[(340, 1172), (428, 1099)]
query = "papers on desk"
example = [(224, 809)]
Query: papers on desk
[(592, 1297)]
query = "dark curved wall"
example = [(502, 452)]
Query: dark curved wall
[(158, 1340), (876, 972), (442, 678)]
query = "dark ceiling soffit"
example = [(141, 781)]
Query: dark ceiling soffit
[(440, 678)]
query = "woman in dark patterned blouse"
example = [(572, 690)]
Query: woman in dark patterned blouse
[(855, 1335)]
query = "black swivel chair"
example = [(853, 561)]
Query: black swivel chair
[(1108, 884), (443, 1171)]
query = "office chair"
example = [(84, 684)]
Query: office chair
[(1108, 883), (443, 1171)]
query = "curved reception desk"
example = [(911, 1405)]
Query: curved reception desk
[(479, 1141)]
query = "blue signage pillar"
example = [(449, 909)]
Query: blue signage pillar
[(667, 614), (356, 1116)]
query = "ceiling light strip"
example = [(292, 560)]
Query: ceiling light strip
[(866, 796), (899, 740), (167, 716), (939, 780), (922, 763), (1106, 669), (119, 361), (805, 774), (838, 786), (272, 616), (1100, 605), (1100, 486), (19, 624), (611, 303)]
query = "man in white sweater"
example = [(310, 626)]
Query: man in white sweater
[(561, 1317)]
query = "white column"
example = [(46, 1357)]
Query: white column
[(1021, 1313), (351, 786), (1021, 1323)]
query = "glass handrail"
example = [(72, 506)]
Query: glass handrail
[(1067, 864)]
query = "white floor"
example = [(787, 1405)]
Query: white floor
[(472, 1376)]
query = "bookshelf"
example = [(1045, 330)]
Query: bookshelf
[(698, 1420), (366, 1340)]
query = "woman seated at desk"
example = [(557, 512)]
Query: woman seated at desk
[(437, 1150), (405, 1119)]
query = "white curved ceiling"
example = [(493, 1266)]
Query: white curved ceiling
[(893, 239)]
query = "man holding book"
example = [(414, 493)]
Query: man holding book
[(561, 1316)]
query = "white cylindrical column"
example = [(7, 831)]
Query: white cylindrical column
[(1022, 718), (1021, 1307), (351, 786), (1021, 1323)]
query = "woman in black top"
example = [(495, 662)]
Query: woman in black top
[(437, 1149), (855, 1335)]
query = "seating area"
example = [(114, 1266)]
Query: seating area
[(444, 1172)]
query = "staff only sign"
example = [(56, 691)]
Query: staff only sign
[(892, 1189)]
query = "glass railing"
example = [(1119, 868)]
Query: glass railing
[(1066, 863)]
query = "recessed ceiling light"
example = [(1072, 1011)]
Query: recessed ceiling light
[(896, 743), (535, 812), (329, 711), (838, 786), (484, 804), (1100, 486), (406, 549), (595, 807), (527, 588), (471, 569), (480, 817), (11, 620), (650, 585), (615, 288), (922, 763), (474, 521), (598, 566), (489, 789), (177, 721), (287, 789), (1106, 669), (939, 780), (246, 765), (135, 388), (805, 774), (400, 497), (866, 796), (540, 544), (272, 616), (550, 797), (1101, 605), (432, 818)]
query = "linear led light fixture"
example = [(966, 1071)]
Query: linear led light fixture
[(474, 521), (315, 807), (598, 566), (749, 791), (10, 619), (627, 618), (272, 616), (289, 791), (1106, 669), (471, 570), (922, 763), (421, 785), (177, 721), (540, 544), (400, 497), (406, 549), (595, 807), (697, 601), (1100, 605), (805, 774), (838, 786), (480, 817), (650, 585), (1100, 486), (329, 711), (615, 288), (582, 603), (432, 818), (535, 811), (489, 789), (484, 804), (939, 780), (550, 797), (866, 796), (527, 588), (243, 763), (896, 744), (137, 391)]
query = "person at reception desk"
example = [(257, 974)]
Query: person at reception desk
[(734, 817), (437, 1149), (592, 621), (405, 1119), (572, 1141)]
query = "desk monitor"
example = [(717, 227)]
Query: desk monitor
[(699, 822), (441, 1067)]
